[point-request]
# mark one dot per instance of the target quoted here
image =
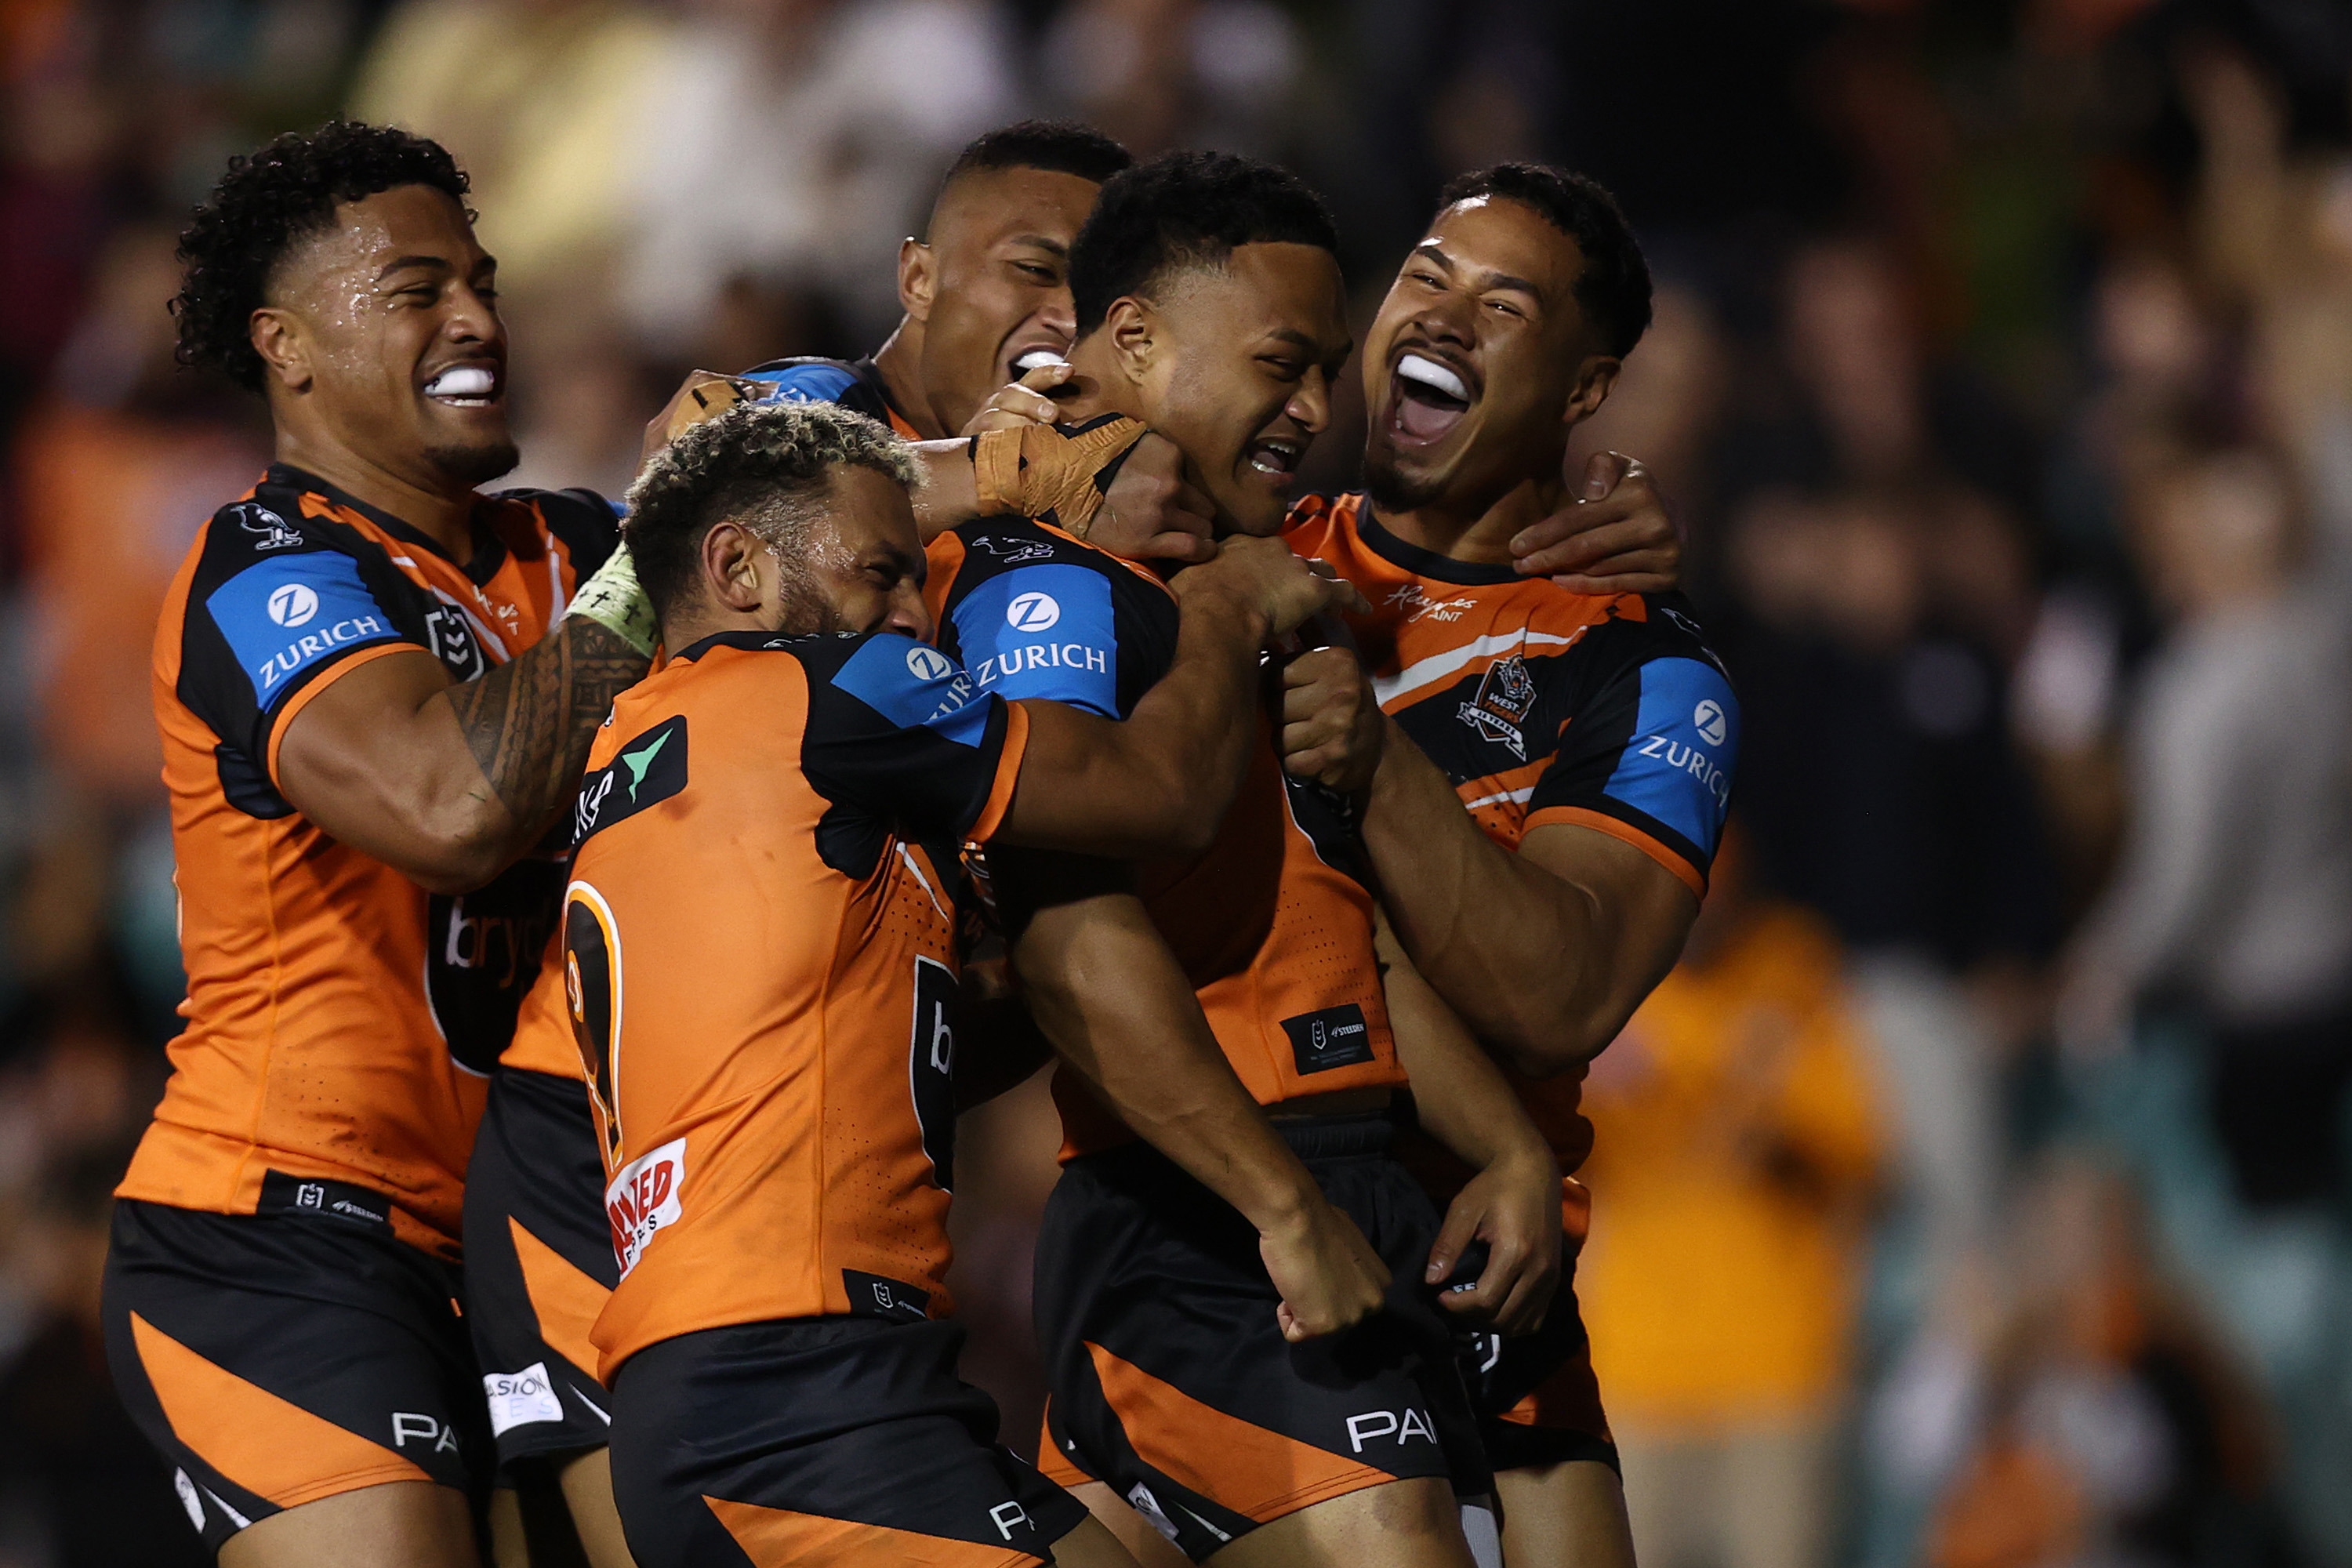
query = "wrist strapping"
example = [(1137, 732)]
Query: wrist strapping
[(613, 599), (1054, 473)]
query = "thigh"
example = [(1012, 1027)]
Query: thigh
[(1172, 1381), (1569, 1515), (1401, 1524), (538, 1266), (827, 1441), (277, 1363), (400, 1524)]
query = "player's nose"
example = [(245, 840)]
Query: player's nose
[(1310, 406), (1060, 316), (909, 616)]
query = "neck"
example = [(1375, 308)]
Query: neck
[(900, 361), (1478, 530), (1101, 389), (443, 515), (690, 624)]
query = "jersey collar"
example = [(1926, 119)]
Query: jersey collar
[(490, 553), (1423, 563)]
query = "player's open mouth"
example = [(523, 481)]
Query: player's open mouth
[(1426, 400), (1276, 456), (1036, 359), (464, 387)]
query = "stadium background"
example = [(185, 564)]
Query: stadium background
[(2002, 376)]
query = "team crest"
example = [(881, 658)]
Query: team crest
[(1011, 552), (270, 531), (1507, 694)]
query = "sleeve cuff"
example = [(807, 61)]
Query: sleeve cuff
[(1008, 775), (1691, 876), (319, 683)]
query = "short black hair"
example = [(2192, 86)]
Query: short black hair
[(263, 206), (1187, 209), (1614, 285), (1057, 146)]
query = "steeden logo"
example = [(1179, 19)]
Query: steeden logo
[(292, 604), (1033, 612)]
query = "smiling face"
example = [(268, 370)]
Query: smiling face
[(997, 272), (382, 335), (861, 568), (1479, 361), (1234, 364)]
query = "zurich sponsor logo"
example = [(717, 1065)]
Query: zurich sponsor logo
[(925, 663), (1708, 720), (1033, 612), (293, 604)]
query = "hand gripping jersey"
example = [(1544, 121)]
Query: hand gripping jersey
[(1542, 706), (340, 1019), (760, 955), (1272, 925)]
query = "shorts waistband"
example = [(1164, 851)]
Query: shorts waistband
[(1338, 1137)]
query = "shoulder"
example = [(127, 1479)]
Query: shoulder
[(1637, 629), (588, 525)]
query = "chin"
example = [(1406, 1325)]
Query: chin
[(477, 464), (1393, 490)]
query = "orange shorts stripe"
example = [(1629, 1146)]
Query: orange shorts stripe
[(564, 1300), (268, 1446), (1256, 1473), (778, 1538)]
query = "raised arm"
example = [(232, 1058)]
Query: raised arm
[(451, 783), (1159, 783)]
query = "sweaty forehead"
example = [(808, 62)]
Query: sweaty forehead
[(364, 236), (1509, 238), (1295, 290), (982, 206)]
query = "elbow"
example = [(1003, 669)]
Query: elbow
[(1546, 1042), (451, 856)]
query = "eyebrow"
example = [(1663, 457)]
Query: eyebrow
[(1040, 242), (401, 263), (1499, 280)]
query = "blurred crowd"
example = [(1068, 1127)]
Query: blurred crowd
[(1974, 1194)]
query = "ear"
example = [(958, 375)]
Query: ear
[(735, 565), (1594, 377), (917, 280), (277, 337), (1135, 334)]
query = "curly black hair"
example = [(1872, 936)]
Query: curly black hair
[(1187, 209), (265, 203), (1614, 285)]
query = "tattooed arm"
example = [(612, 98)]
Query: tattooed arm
[(452, 783)]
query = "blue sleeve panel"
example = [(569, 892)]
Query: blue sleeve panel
[(806, 382), (286, 615), (916, 687), (1677, 766), (1044, 632)]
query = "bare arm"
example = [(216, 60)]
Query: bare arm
[(1513, 1203), (1117, 1008), (450, 784), (1159, 783), (1545, 952)]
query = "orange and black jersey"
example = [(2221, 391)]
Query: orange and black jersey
[(1273, 924), (854, 384), (1541, 706), (761, 933), (340, 1019)]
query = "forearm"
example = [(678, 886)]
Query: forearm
[(1462, 1099), (1115, 1004), (529, 723), (948, 493), (1516, 951)]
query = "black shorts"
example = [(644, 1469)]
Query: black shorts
[(1538, 1403), (276, 1359), (822, 1440), (1171, 1378), (539, 1266)]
